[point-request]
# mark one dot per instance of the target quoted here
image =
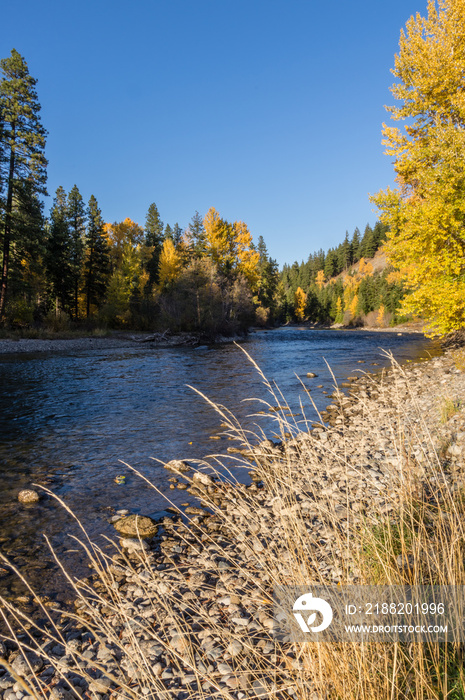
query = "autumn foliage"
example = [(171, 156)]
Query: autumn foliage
[(426, 212)]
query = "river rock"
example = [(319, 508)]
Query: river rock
[(100, 685), (136, 526), (234, 648), (203, 479), (23, 664), (28, 496), (311, 375), (131, 545), (177, 465), (193, 510)]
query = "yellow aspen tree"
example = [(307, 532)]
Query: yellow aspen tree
[(368, 269), (426, 212), (351, 284), (218, 237), (353, 306), (394, 277), (126, 231), (380, 317), (169, 266), (300, 300), (247, 258), (230, 246), (320, 279)]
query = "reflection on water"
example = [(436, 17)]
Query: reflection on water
[(68, 419)]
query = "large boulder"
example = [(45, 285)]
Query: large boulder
[(136, 526)]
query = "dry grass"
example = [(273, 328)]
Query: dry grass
[(449, 407), (425, 527)]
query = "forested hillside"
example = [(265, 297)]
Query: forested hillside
[(344, 285)]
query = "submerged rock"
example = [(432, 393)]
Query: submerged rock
[(28, 496), (136, 526)]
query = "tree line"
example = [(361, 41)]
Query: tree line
[(211, 275), (75, 267)]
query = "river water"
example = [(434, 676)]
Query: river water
[(70, 420)]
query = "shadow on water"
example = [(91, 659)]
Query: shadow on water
[(67, 420)]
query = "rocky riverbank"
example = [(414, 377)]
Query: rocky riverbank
[(120, 339), (189, 613), (115, 340)]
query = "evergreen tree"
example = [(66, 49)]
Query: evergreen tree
[(58, 252), (368, 245), (345, 256), (320, 259), (153, 238), (77, 224), (330, 264), (27, 269), (355, 246), (97, 265), (268, 277), (177, 234), (379, 234), (168, 233), (22, 151), (196, 233)]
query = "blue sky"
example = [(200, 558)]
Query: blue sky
[(268, 110)]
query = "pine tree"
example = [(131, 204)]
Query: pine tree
[(196, 233), (153, 238), (22, 146), (177, 234), (330, 264), (77, 224), (268, 277), (58, 251), (368, 244), (97, 265), (355, 245), (345, 257), (27, 277)]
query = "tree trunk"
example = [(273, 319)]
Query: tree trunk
[(76, 300), (89, 281), (7, 233)]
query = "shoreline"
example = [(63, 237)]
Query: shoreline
[(117, 340), (11, 346), (215, 562)]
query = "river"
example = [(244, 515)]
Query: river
[(70, 420)]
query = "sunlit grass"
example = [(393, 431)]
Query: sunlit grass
[(419, 539)]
